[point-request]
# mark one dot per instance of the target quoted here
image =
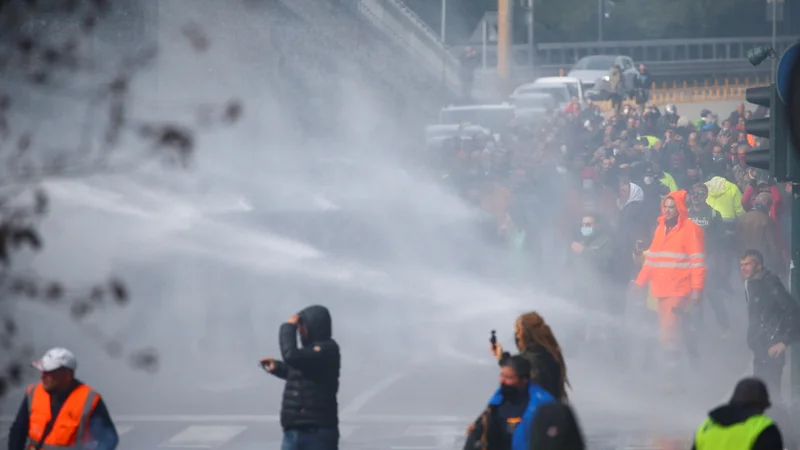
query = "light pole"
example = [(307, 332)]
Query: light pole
[(600, 20), (774, 35), (531, 47), (442, 31), (443, 26)]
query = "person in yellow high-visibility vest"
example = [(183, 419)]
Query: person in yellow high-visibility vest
[(741, 424)]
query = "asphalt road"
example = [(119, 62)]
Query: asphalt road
[(424, 406)]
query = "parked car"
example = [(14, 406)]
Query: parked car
[(593, 71), (573, 85), (496, 118), (532, 106), (559, 92), (435, 135)]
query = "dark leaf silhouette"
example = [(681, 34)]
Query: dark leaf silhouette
[(54, 292), (50, 64), (119, 292), (197, 38), (233, 111), (80, 309)]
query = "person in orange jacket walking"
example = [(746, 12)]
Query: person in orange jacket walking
[(675, 267)]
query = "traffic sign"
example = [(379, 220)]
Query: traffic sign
[(790, 59)]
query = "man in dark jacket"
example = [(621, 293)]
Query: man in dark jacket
[(507, 422), (755, 229), (595, 286), (741, 423), (309, 411), (771, 315), (710, 221)]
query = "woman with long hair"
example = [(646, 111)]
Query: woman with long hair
[(536, 343)]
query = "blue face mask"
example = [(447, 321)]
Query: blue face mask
[(587, 231)]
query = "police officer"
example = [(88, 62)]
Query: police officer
[(741, 424)]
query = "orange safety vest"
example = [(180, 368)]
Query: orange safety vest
[(675, 263), (71, 427)]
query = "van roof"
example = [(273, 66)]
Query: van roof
[(466, 107), (556, 80)]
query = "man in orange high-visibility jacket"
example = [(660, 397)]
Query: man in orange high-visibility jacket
[(60, 412), (675, 267)]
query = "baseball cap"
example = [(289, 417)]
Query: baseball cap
[(56, 358)]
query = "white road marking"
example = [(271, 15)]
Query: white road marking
[(204, 436), (256, 418), (415, 447), (365, 397), (446, 435), (122, 429)]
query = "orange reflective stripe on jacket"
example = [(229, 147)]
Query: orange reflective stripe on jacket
[(675, 264), (71, 427)]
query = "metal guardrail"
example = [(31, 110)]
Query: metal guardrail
[(394, 19), (651, 52)]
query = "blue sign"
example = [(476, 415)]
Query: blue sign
[(790, 59)]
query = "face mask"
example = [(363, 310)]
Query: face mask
[(508, 391), (692, 180), (718, 158), (648, 180), (587, 231), (588, 184), (561, 170)]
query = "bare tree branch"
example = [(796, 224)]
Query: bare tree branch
[(57, 66)]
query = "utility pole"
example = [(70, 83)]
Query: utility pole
[(531, 23), (600, 14), (443, 26), (442, 33), (774, 35), (504, 43)]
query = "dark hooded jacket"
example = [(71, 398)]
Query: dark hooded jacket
[(771, 310), (311, 372), (733, 414)]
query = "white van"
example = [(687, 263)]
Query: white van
[(562, 89)]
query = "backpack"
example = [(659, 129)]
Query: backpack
[(555, 427)]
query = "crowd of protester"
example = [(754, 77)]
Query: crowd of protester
[(583, 191)]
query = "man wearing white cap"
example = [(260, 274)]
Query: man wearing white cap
[(60, 412)]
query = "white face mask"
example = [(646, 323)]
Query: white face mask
[(560, 169)]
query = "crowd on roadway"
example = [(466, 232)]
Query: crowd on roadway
[(638, 200)]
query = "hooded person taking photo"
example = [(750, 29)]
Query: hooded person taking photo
[(309, 410)]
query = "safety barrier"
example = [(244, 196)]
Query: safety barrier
[(717, 91)]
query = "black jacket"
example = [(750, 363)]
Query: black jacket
[(311, 372), (732, 414), (771, 312), (710, 221), (545, 370)]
